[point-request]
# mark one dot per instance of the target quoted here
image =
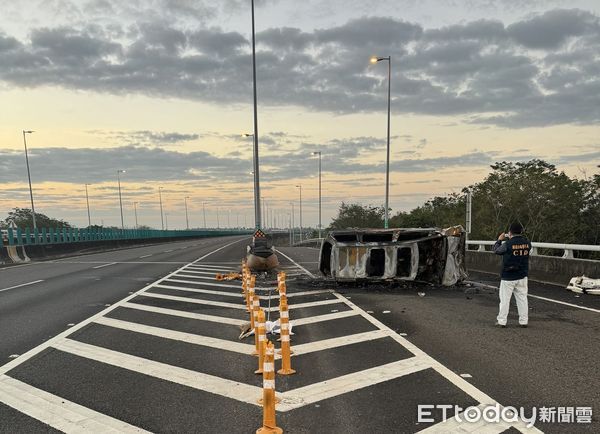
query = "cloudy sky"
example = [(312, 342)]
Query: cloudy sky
[(163, 90)]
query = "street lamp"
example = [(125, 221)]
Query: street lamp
[(293, 225), (319, 154), (167, 221), (204, 213), (162, 221), (255, 171), (257, 219), (29, 178), (187, 221), (120, 198), (300, 187), (87, 200), (374, 60), (217, 217), (135, 213)]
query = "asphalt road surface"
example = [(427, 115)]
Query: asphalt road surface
[(154, 346)]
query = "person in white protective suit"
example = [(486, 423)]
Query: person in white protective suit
[(515, 251)]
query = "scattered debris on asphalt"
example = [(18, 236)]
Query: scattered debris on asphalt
[(584, 285)]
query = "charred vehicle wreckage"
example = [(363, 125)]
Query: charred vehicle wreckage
[(425, 254)]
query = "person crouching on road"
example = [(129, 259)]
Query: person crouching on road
[(515, 268)]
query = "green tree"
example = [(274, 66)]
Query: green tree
[(355, 215), (22, 219), (437, 212)]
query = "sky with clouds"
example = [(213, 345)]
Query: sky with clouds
[(163, 90)]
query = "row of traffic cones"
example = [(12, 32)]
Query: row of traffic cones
[(265, 349)]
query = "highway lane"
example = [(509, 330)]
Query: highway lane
[(72, 289), (168, 358)]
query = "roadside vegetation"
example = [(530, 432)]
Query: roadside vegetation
[(552, 206)]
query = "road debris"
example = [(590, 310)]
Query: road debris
[(584, 285)]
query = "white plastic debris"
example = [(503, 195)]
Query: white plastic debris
[(584, 285)]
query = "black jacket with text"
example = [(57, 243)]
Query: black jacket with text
[(515, 257)]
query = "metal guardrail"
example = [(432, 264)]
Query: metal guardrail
[(308, 241), (18, 237), (568, 249)]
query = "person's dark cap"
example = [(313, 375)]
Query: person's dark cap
[(516, 228)]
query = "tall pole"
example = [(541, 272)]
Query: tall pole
[(319, 154), (469, 214), (293, 224), (162, 221), (217, 217), (135, 213), (204, 213), (120, 198), (376, 59), (87, 200), (29, 178), (257, 218), (300, 187), (167, 221), (387, 161), (187, 221)]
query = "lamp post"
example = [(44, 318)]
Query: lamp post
[(293, 224), (87, 201), (319, 154), (135, 213), (29, 178), (300, 187), (162, 222), (217, 217), (257, 219), (120, 198), (167, 221), (376, 59), (204, 213), (187, 221)]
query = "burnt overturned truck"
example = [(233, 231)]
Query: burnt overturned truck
[(424, 254)]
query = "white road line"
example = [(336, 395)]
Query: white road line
[(297, 294), (221, 285), (199, 291), (341, 341), (347, 383), (305, 305), (295, 263), (321, 318), (58, 412), (191, 338), (209, 268), (551, 300), (198, 380), (105, 265), (208, 273), (24, 357), (565, 303), (193, 300), (22, 284), (184, 314), (145, 256), (168, 251)]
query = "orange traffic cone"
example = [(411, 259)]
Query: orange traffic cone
[(269, 423)]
